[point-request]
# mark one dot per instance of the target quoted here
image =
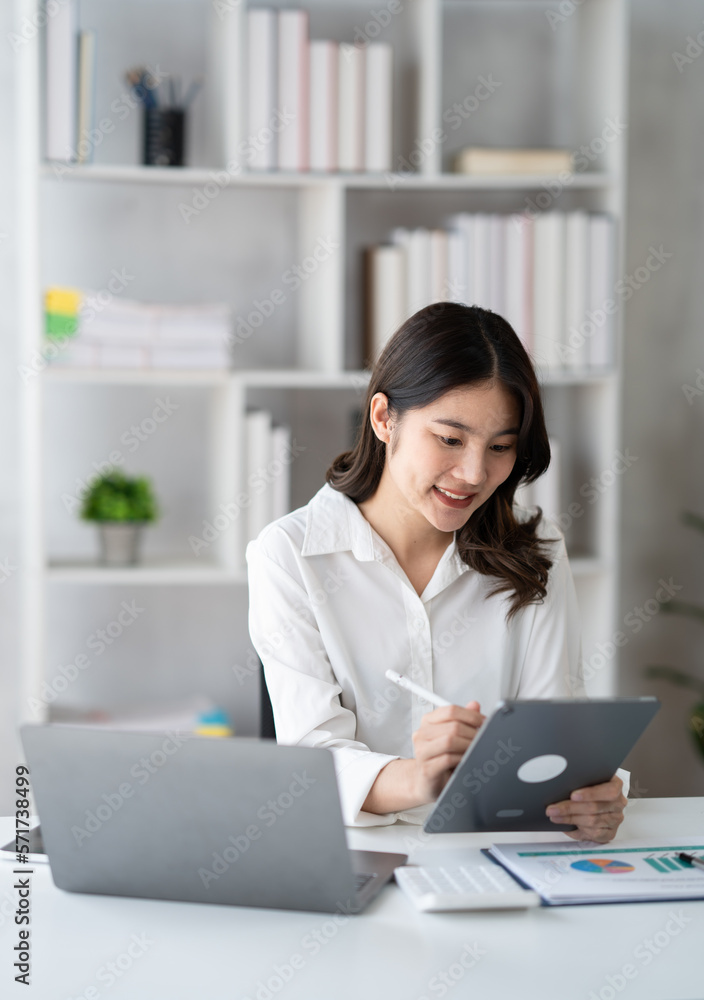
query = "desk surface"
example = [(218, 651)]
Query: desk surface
[(182, 951)]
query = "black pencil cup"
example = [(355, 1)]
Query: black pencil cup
[(164, 130)]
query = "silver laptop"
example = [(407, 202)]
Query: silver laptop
[(174, 816)]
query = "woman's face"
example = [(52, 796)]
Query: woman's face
[(463, 444)]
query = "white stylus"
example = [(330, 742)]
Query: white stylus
[(404, 682)]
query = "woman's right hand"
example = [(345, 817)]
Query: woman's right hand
[(439, 744)]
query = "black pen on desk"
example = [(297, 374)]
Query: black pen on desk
[(696, 862)]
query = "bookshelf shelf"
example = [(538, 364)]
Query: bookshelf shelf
[(186, 176), (559, 86)]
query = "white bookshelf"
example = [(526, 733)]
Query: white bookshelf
[(558, 87)]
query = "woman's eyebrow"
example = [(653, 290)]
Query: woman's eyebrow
[(469, 430)]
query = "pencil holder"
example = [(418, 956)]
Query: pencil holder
[(164, 130)]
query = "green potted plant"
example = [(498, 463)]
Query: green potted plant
[(121, 505)]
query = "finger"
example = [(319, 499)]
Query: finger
[(597, 836), (443, 744), (455, 713), (582, 809), (607, 790)]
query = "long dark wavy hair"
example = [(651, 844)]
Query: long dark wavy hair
[(449, 346)]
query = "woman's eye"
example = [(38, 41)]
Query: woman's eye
[(500, 448), (451, 441)]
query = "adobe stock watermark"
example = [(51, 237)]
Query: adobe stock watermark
[(692, 50), (595, 487), (91, 305), (97, 642), (582, 158), (643, 955), (453, 116), (692, 392), (332, 583), (565, 10), (310, 945), (625, 288), (248, 148), (257, 482), (224, 7), (378, 21), (293, 278), (109, 973), (131, 439), (634, 621), (30, 26), (6, 569), (443, 981), (90, 138), (268, 814), (142, 770)]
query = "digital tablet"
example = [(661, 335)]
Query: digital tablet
[(529, 754)]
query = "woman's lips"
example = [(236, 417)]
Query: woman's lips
[(449, 502)]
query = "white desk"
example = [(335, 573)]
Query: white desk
[(390, 951)]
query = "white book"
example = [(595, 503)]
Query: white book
[(207, 356), (257, 485), (387, 289), (418, 288), (123, 357), (456, 266), (545, 491), (438, 246), (379, 106), (496, 264), (518, 265), (293, 88), (62, 82), (86, 95), (548, 284), (323, 105), (351, 107), (602, 251), (262, 59), (280, 472), (574, 350), (479, 261)]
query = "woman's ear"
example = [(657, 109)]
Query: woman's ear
[(380, 418)]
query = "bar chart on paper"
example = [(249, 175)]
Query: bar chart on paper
[(667, 863)]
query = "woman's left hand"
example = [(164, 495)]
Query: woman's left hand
[(597, 811)]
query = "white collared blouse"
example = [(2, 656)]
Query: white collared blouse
[(331, 610)]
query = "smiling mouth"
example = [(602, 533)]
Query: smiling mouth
[(455, 496)]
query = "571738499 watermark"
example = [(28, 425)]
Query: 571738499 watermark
[(21, 950)]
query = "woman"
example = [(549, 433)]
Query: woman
[(412, 557)]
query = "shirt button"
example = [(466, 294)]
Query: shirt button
[(420, 624)]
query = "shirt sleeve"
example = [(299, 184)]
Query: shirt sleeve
[(553, 665), (304, 692)]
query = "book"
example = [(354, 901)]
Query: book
[(257, 485), (351, 107), (573, 349), (280, 471), (438, 250), (620, 872), (323, 76), (548, 285), (61, 82), (261, 85), (293, 66), (486, 160), (378, 106), (518, 268), (599, 327), (456, 266), (86, 96), (386, 296)]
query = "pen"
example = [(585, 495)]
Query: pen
[(404, 682), (697, 862)]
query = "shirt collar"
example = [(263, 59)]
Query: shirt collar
[(334, 523)]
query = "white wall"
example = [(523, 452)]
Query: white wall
[(664, 347)]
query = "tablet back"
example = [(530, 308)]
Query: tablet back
[(530, 754)]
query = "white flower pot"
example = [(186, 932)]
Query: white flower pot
[(119, 542)]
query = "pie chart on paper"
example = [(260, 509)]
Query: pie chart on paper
[(606, 866)]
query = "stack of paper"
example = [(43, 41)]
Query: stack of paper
[(627, 871), (124, 333)]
